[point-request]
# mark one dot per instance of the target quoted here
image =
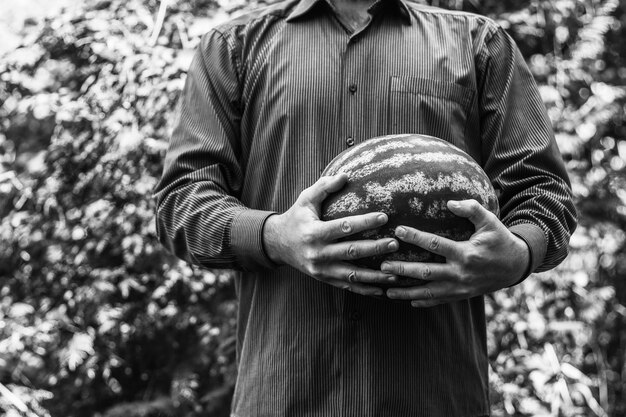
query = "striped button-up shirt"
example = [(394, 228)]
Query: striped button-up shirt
[(269, 100)]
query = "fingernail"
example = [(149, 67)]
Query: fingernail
[(393, 245), (385, 267), (454, 204), (400, 231), (392, 278), (378, 292), (382, 218), (391, 294)]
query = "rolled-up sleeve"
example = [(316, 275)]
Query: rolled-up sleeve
[(520, 154), (199, 215)]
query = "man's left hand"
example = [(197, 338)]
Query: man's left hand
[(493, 258)]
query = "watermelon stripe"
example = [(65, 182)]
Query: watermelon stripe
[(347, 203), (398, 160), (418, 183), (376, 146)]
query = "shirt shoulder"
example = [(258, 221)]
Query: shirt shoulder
[(258, 17), (243, 33), (481, 26)]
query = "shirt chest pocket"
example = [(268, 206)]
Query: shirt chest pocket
[(429, 107)]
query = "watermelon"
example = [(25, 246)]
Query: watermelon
[(409, 177)]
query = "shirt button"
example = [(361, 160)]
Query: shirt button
[(355, 315), (352, 88), (349, 141)]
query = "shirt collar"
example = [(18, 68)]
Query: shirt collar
[(305, 6)]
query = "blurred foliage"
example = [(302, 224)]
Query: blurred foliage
[(97, 319)]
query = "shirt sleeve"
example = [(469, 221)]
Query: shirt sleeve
[(199, 215), (521, 156)]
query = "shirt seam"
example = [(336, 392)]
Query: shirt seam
[(231, 54), (230, 26), (421, 8), (233, 24), (483, 56), (233, 44)]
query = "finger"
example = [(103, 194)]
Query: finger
[(356, 287), (429, 241), (473, 211), (423, 293), (353, 274), (418, 270), (323, 187), (358, 249), (338, 228)]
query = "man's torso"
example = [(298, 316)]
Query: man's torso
[(309, 90)]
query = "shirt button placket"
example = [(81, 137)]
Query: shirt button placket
[(351, 88)]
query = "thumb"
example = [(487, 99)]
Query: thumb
[(322, 188), (473, 211)]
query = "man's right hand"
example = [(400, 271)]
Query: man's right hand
[(299, 238)]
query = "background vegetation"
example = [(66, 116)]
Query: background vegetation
[(96, 319)]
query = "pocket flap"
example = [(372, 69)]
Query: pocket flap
[(435, 88)]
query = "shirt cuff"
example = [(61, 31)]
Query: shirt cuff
[(246, 240), (535, 240)]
